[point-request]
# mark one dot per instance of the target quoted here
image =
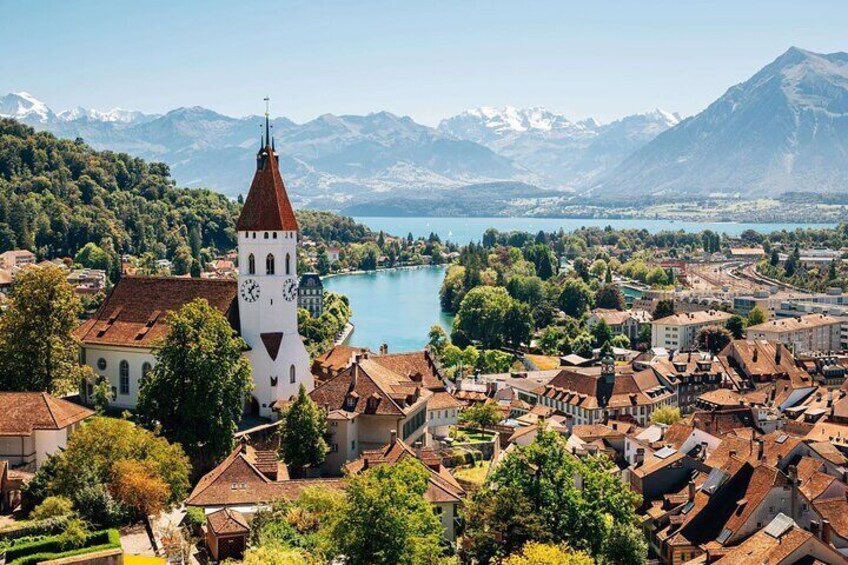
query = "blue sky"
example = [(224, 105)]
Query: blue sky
[(427, 59)]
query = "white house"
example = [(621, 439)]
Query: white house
[(35, 425)]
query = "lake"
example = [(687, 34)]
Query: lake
[(464, 230), (395, 307)]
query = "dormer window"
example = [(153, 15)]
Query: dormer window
[(269, 264), (251, 264)]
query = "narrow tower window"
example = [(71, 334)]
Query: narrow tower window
[(124, 373), (269, 264), (292, 375), (288, 264), (251, 264)]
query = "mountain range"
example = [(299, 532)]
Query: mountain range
[(783, 130)]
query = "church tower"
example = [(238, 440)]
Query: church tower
[(267, 257)]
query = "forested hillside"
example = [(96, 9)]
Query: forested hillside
[(57, 195)]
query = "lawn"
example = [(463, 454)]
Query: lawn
[(466, 435), (473, 474), (544, 362)]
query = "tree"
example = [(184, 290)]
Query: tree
[(494, 361), (197, 389), (610, 297), (625, 544), (140, 470), (548, 554), (664, 308), (621, 341), (756, 316), (577, 498), (322, 262), (713, 339), (302, 433), (481, 315), (736, 326), (92, 256), (137, 485), (437, 340), (384, 520), (774, 260), (517, 324), (601, 333), (666, 415), (181, 264), (575, 298), (481, 415), (37, 349)]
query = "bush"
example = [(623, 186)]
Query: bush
[(52, 507), (97, 507), (195, 517), (34, 528), (50, 548), (74, 536)]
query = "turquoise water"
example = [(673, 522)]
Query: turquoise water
[(464, 230), (393, 307)]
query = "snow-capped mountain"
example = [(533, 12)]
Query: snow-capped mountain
[(115, 115), (785, 129), (26, 108), (569, 153)]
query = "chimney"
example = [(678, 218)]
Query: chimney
[(640, 455), (733, 453), (569, 422), (829, 397), (777, 354), (814, 527), (759, 450), (691, 491), (825, 531), (756, 354), (392, 437)]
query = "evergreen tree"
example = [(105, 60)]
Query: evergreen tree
[(302, 433), (736, 326)]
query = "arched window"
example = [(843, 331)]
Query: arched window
[(288, 264), (269, 264), (145, 369), (124, 373), (251, 264), (292, 375), (275, 235), (266, 235)]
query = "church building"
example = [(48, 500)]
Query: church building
[(119, 340)]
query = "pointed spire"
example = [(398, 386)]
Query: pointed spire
[(267, 121)]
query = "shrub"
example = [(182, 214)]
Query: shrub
[(50, 548), (75, 535), (97, 507), (52, 507), (195, 517), (34, 528)]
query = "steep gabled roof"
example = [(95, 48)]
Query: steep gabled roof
[(267, 207), (21, 413), (135, 312)]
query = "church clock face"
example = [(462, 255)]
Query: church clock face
[(250, 290), (290, 290)]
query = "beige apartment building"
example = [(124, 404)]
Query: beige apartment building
[(679, 331), (804, 334)]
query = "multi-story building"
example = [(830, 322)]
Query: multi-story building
[(809, 333), (621, 322), (680, 331), (310, 294)]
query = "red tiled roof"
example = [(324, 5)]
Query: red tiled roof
[(442, 400), (227, 522), (267, 206), (135, 312), (24, 412), (410, 364), (237, 481)]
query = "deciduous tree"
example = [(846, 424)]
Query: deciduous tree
[(197, 389)]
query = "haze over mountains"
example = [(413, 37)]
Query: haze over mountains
[(785, 129)]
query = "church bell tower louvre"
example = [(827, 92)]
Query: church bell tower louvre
[(268, 283)]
